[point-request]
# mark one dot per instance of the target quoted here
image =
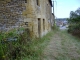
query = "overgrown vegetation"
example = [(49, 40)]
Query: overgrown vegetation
[(74, 23), (35, 49), (13, 43), (18, 45)]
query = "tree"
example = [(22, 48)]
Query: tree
[(74, 22)]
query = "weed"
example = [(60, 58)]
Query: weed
[(36, 47)]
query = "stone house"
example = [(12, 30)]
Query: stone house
[(36, 15)]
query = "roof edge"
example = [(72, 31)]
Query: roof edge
[(50, 2)]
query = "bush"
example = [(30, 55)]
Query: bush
[(74, 23), (13, 43)]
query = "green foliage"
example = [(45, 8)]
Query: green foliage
[(74, 22), (24, 46), (1, 52), (36, 47), (12, 45), (55, 27)]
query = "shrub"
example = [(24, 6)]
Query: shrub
[(13, 43), (74, 23)]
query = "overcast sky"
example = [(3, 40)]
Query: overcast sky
[(63, 7)]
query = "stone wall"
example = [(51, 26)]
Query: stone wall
[(11, 14), (38, 17), (35, 15)]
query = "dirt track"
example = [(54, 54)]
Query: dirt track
[(62, 46)]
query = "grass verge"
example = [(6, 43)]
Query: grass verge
[(36, 47), (70, 47)]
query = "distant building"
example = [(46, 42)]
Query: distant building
[(61, 21)]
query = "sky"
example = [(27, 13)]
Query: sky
[(62, 8)]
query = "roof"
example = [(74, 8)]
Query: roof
[(50, 2)]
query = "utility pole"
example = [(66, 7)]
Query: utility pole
[(54, 10), (53, 14), (53, 7)]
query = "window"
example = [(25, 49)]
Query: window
[(38, 2), (39, 26), (26, 23), (43, 24), (25, 1)]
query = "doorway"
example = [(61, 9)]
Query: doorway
[(39, 27), (43, 24)]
